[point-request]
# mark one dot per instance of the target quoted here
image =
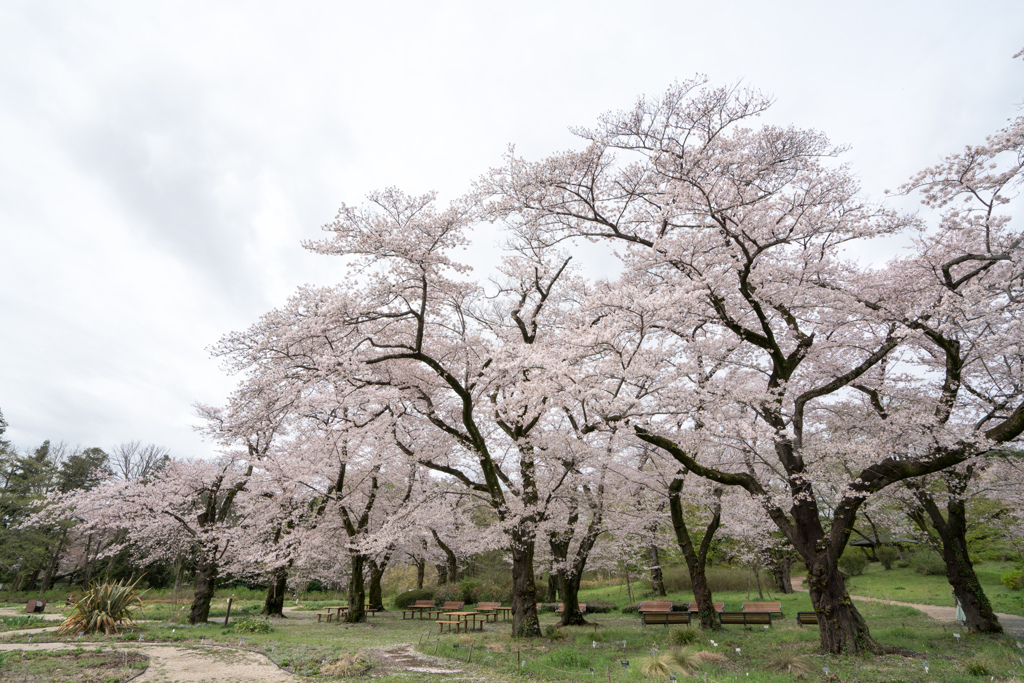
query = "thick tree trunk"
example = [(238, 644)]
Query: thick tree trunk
[(442, 574), (356, 592), (843, 630), (696, 558), (525, 623), (375, 599), (657, 579), (273, 606), (570, 587), (206, 585)]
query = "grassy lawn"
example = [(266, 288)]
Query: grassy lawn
[(906, 585), (302, 645)]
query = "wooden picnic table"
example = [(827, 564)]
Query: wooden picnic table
[(505, 612), (340, 608), (465, 617)]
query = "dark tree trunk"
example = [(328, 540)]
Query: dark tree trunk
[(33, 579), (657, 579), (952, 531), (376, 597), (552, 595), (843, 630), (525, 623), (273, 606), (779, 565), (696, 558), (356, 591), (451, 561), (421, 570), (442, 574), (206, 584)]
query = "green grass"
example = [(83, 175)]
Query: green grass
[(906, 585), (302, 645)]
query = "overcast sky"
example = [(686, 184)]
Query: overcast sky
[(160, 162)]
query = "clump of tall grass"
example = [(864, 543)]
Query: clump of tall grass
[(786, 660)]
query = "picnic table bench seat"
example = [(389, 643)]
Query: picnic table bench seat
[(745, 618), (441, 623), (325, 614), (767, 607), (489, 610)]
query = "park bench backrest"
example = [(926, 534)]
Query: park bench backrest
[(656, 606), (423, 603), (762, 607), (30, 607), (452, 605), (488, 605)]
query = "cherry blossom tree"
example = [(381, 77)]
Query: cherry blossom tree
[(743, 227)]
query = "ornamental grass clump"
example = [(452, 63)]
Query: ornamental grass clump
[(106, 607)]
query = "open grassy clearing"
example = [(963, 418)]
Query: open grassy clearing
[(906, 585)]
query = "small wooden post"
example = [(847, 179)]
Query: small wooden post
[(228, 615), (470, 653)]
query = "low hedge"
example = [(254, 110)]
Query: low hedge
[(403, 600)]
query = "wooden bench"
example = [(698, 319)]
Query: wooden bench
[(745, 618), (766, 607), (807, 618), (35, 606), (665, 618), (450, 606), (442, 622), (325, 614), (719, 607), (561, 608), (418, 607)]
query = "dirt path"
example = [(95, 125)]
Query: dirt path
[(1011, 623)]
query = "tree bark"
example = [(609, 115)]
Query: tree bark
[(952, 532), (421, 570), (843, 630), (779, 565), (356, 591), (525, 623), (552, 595), (206, 585), (696, 558), (442, 573), (375, 599), (273, 606), (451, 561), (657, 578)]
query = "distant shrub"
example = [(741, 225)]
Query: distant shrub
[(403, 600), (928, 562), (632, 608), (887, 555), (1013, 579), (469, 590), (252, 625), (447, 592), (853, 562), (494, 591), (600, 606), (547, 606), (977, 667)]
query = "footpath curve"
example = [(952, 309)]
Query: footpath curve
[(1012, 623)]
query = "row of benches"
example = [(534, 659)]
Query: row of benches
[(750, 614)]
